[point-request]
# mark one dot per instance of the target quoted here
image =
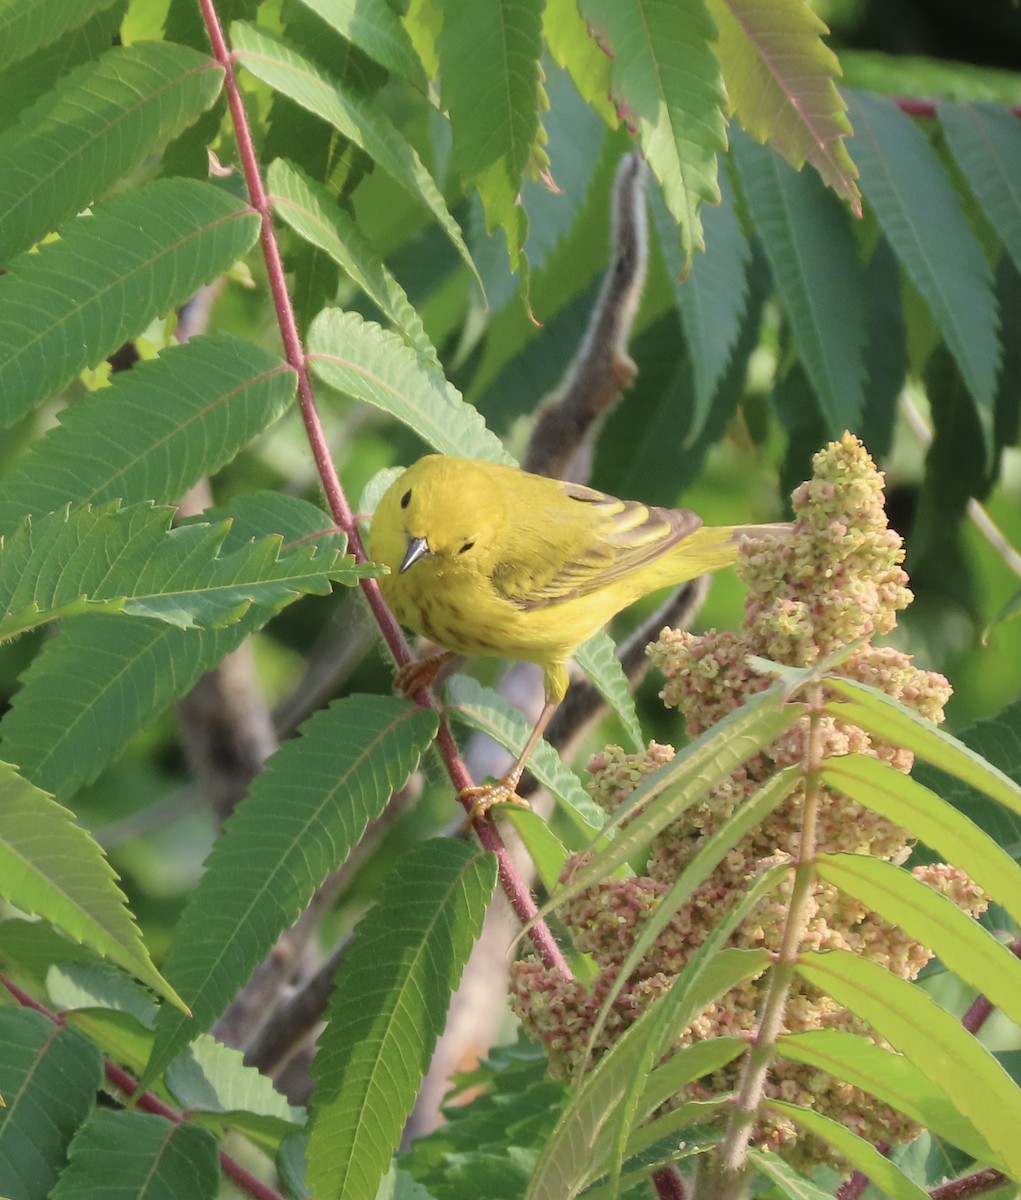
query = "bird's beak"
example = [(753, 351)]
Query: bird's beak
[(418, 548)]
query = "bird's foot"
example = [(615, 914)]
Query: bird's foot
[(486, 796), (420, 673)]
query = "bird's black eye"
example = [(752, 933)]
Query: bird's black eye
[(466, 547), (406, 499)]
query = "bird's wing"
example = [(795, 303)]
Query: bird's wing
[(594, 540)]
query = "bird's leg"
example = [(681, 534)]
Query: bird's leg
[(485, 795), (420, 672)]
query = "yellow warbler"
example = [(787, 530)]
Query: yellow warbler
[(488, 559)]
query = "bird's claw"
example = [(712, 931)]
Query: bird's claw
[(419, 673), (486, 796)]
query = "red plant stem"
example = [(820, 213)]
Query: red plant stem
[(513, 885), (126, 1083), (981, 1008), (669, 1184), (927, 108)]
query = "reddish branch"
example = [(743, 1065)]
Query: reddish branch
[(127, 1085), (517, 892)]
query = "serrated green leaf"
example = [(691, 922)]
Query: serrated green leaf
[(26, 25), (298, 822), (100, 122), (315, 215), (156, 1160), (51, 867), (489, 63), (983, 139), (812, 254), (128, 560), (568, 40), (48, 1078), (598, 659), (74, 986), (388, 1010), (155, 431), (207, 1077), (712, 298), (960, 942), (921, 215), (374, 27), (368, 363), (483, 709), (881, 715), (77, 300), (367, 126), (666, 83), (889, 1077), (102, 679), (931, 1038), (22, 83), (665, 794), (906, 802), (779, 75)]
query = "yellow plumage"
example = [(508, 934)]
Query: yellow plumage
[(488, 559)]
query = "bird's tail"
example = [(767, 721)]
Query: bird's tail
[(716, 546)]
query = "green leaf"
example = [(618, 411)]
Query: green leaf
[(26, 25), (610, 1100), (489, 63), (299, 821), (689, 1064), (931, 1038), (779, 75), (77, 300), (99, 122), (668, 792), (921, 215), (547, 852), (598, 659), (711, 852), (891, 1078), (48, 1078), (712, 298), (906, 802), (812, 254), (879, 714), (786, 1180), (208, 1077), (366, 362), (483, 709), (103, 679), (388, 1009), (960, 942), (997, 739), (128, 560), (51, 867), (572, 47), (366, 125), (156, 1160), (22, 84), (983, 139), (666, 83), (316, 216), (155, 431), (374, 27)]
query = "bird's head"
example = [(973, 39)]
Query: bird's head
[(440, 511)]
